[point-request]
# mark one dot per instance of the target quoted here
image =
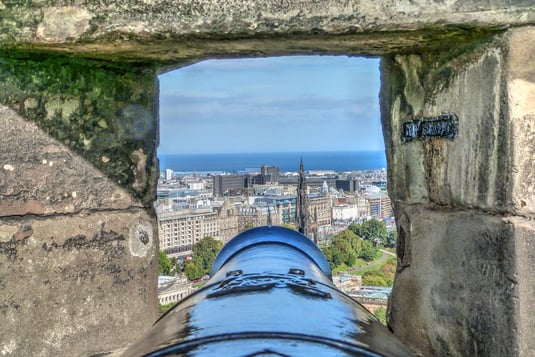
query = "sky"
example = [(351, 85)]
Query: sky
[(274, 104)]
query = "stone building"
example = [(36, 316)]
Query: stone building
[(180, 230), (319, 209), (228, 221), (258, 215)]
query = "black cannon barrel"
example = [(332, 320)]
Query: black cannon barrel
[(270, 294)]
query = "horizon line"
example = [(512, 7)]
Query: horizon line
[(267, 152)]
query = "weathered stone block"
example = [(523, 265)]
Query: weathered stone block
[(458, 290), (488, 165), (41, 176), (78, 239), (524, 231), (186, 30), (105, 113), (521, 104), (76, 285)]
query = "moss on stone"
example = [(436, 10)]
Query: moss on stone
[(95, 109)]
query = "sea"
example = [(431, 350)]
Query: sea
[(341, 161)]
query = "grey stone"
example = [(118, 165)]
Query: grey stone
[(78, 168), (458, 296), (488, 166), (41, 176), (71, 285)]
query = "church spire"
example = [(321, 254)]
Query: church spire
[(302, 202)]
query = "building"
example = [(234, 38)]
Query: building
[(345, 212), (197, 186), (168, 174), (258, 215), (228, 221), (349, 185), (351, 208), (320, 213), (319, 209), (227, 184), (379, 203), (286, 206), (171, 290), (180, 230), (270, 174)]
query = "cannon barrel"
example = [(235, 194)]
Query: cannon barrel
[(270, 293)]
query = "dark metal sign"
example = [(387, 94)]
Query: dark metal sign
[(443, 126)]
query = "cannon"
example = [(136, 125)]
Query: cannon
[(270, 293)]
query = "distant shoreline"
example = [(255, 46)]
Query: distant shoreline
[(287, 161)]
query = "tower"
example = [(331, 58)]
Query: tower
[(303, 223)]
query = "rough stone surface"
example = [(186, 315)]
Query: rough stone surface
[(108, 115), (75, 272), (72, 284), (41, 176), (172, 30), (78, 172), (458, 295), (63, 24), (521, 98), (464, 206), (489, 165), (525, 253)]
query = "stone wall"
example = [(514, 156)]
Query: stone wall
[(465, 206), (181, 31), (78, 236), (78, 168)]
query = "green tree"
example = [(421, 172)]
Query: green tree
[(370, 230), (328, 255), (351, 259), (205, 251), (380, 313), (193, 270), (376, 278), (162, 309), (369, 252), (164, 264), (247, 227), (391, 238), (345, 247)]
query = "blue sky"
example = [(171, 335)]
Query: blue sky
[(275, 104)]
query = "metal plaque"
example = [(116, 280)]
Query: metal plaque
[(444, 126)]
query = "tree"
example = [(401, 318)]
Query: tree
[(351, 259), (369, 252), (164, 264), (344, 249), (370, 230), (392, 238), (290, 226), (380, 313), (193, 270), (205, 251), (247, 227), (375, 278)]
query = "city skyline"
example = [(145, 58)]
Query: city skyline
[(276, 104)]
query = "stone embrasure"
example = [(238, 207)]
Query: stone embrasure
[(78, 168)]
